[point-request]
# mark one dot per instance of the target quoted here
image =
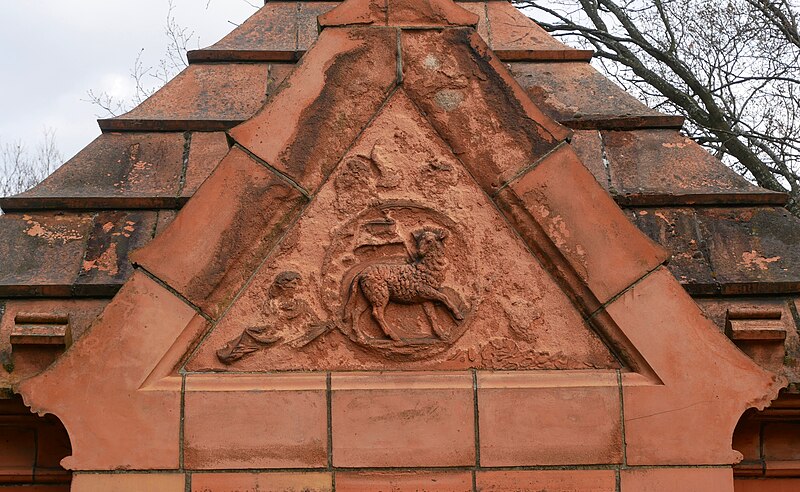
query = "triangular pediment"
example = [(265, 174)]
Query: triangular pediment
[(310, 304)]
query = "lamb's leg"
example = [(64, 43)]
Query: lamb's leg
[(431, 313), (377, 293), (437, 295)]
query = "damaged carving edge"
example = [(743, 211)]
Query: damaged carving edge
[(406, 282)]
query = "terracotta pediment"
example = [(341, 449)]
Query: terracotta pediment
[(400, 204)]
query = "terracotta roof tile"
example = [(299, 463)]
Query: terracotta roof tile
[(308, 29), (658, 167), (129, 170), (578, 96), (272, 28), (202, 97), (752, 250), (676, 230), (75, 254)]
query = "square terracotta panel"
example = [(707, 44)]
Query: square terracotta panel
[(412, 481), (403, 419), (129, 482), (547, 480), (676, 479), (262, 482), (237, 422), (549, 418)]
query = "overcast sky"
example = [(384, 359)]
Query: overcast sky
[(54, 51)]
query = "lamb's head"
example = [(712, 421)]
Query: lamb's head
[(430, 239)]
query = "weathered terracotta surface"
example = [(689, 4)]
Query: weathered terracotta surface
[(566, 418), (471, 100), (637, 160), (69, 254), (307, 25), (243, 209), (119, 165), (206, 150), (676, 230), (307, 126), (96, 387), (255, 422), (262, 482), (672, 479), (575, 92), (698, 397), (781, 355), (411, 13), (511, 29), (752, 250), (272, 28), (547, 480), (402, 420), (129, 482), (298, 312), (457, 481), (579, 217), (221, 92), (589, 148)]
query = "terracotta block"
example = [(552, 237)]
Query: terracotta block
[(577, 95), (404, 482), (206, 150), (488, 119), (429, 13), (589, 229), (272, 28), (119, 165), (511, 29), (307, 126), (235, 422), (242, 210), (129, 482), (479, 9), (262, 482), (694, 398), (308, 30), (638, 159), (589, 149), (547, 481), (226, 92), (95, 388), (549, 418), (748, 263), (674, 479), (768, 485), (675, 228), (403, 420)]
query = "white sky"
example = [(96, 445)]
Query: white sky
[(54, 51)]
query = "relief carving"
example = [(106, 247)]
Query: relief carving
[(391, 261), (292, 321), (417, 282)]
